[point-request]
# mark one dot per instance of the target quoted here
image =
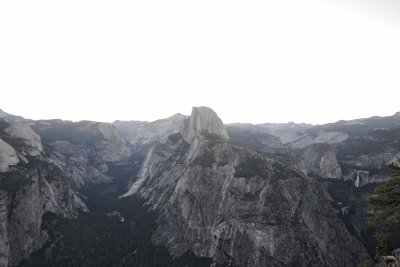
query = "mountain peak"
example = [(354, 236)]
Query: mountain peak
[(203, 121)]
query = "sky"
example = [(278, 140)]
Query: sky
[(251, 61)]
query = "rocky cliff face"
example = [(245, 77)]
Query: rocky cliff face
[(365, 158), (30, 185), (84, 150), (320, 137), (256, 140), (227, 202), (142, 135), (364, 147), (10, 118), (32, 142), (213, 196), (319, 160), (203, 122), (8, 156), (286, 132)]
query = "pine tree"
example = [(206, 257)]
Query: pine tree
[(385, 202)]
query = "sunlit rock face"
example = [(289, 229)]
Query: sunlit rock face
[(224, 201)]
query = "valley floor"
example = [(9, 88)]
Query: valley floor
[(117, 232)]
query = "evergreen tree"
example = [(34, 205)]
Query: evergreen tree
[(385, 202)]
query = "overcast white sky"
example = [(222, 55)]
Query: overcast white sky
[(251, 61)]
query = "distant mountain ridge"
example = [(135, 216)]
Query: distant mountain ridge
[(364, 147)]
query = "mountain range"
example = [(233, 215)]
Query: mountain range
[(190, 191)]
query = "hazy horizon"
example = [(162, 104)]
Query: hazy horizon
[(188, 114), (264, 61)]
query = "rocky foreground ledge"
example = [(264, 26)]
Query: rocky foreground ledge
[(391, 260)]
